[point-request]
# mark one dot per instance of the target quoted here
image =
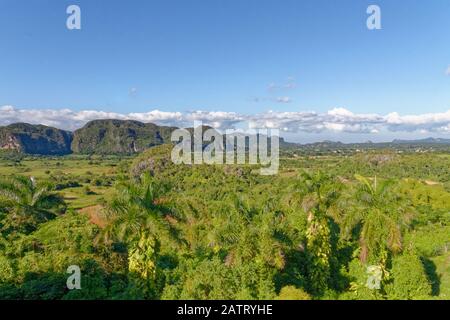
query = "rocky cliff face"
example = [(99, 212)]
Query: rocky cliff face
[(10, 143), (119, 137), (35, 139)]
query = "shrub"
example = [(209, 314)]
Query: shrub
[(6, 270), (293, 293), (87, 191), (409, 278)]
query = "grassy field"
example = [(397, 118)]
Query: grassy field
[(442, 263), (42, 167), (89, 172)]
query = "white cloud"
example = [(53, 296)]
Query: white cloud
[(338, 120), (447, 72), (289, 84), (340, 112), (133, 91), (216, 119), (284, 100), (432, 122), (71, 120)]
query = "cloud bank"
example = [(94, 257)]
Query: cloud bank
[(337, 120)]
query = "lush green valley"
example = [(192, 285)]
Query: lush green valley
[(372, 225)]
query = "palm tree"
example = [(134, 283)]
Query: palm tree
[(247, 234), (136, 209), (379, 212), (26, 204), (136, 217), (319, 195)]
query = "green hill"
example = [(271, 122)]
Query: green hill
[(119, 137), (35, 139)]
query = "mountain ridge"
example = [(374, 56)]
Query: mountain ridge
[(35, 139), (118, 136), (114, 136)]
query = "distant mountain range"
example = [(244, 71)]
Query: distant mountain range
[(396, 142), (424, 141), (96, 137), (128, 137)]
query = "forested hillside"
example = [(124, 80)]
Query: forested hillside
[(96, 137), (119, 137)]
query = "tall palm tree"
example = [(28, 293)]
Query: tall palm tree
[(247, 232), (380, 213), (318, 196), (136, 217), (135, 210), (27, 203)]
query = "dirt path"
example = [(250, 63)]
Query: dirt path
[(95, 215)]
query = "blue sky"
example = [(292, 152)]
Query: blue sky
[(246, 57)]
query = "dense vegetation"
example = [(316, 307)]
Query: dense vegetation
[(118, 137), (326, 227)]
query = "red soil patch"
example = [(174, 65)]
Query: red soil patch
[(95, 214), (171, 220)]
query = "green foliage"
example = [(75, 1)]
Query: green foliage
[(409, 280), (165, 231), (380, 213), (26, 204), (142, 259), (293, 293), (318, 199), (6, 270), (359, 289), (212, 279), (118, 137)]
